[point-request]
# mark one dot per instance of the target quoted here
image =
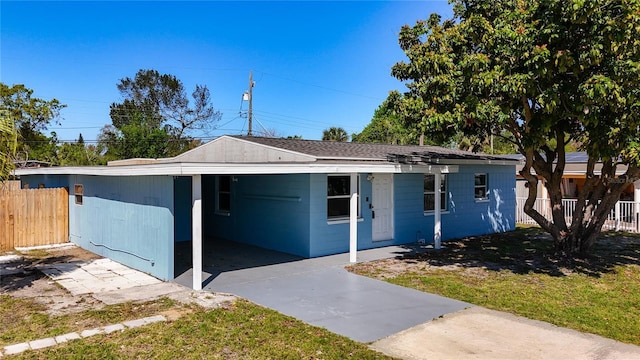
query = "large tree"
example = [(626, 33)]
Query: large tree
[(157, 112), (386, 127), (547, 72), (31, 117)]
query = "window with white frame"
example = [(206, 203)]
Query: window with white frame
[(338, 196), (480, 187), (430, 192), (223, 190)]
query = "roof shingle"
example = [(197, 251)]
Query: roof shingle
[(366, 151)]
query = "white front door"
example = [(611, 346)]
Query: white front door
[(382, 207)]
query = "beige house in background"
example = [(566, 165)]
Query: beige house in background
[(574, 178)]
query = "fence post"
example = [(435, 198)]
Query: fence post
[(617, 216)]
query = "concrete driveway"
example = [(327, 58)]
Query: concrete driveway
[(397, 321), (320, 291)]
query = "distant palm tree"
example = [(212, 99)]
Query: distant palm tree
[(8, 144), (335, 134)]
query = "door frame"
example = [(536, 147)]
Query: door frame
[(391, 207)]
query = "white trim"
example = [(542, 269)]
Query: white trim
[(432, 213), (486, 187), (346, 196), (437, 223), (446, 188), (392, 205), (353, 217), (344, 220), (179, 169)]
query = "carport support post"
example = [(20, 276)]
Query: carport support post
[(437, 225), (353, 219), (196, 212)]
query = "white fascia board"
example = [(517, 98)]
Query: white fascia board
[(122, 170), (313, 168), (236, 169)]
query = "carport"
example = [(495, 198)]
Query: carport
[(319, 291)]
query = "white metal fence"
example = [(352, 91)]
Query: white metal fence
[(624, 216)]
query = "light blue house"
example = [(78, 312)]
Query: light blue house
[(303, 197)]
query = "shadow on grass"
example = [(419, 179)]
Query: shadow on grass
[(22, 273), (528, 250)]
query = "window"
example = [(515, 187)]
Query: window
[(78, 191), (338, 195), (223, 205), (480, 187), (430, 192)]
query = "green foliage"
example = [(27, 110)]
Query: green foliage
[(78, 154), (335, 134), (156, 119), (386, 127), (31, 117), (8, 145), (546, 72)]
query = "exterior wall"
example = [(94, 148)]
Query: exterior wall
[(332, 237), (135, 220), (269, 211), (128, 219), (469, 217), (464, 216)]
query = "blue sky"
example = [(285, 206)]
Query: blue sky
[(315, 64)]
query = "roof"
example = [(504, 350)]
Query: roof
[(261, 150), (258, 155), (353, 150)]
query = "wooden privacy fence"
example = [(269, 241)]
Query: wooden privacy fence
[(32, 217)]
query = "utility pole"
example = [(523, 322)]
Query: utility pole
[(250, 112)]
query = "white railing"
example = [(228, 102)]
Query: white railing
[(624, 216)]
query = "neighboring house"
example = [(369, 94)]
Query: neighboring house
[(625, 215), (573, 179), (303, 197)]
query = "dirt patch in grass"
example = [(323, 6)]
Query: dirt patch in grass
[(523, 251), (33, 306), (21, 279)]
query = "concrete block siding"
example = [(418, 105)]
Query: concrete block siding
[(136, 220), (129, 219)]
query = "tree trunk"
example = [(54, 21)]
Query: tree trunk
[(595, 201)]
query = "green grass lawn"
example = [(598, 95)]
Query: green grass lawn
[(241, 330), (517, 272)]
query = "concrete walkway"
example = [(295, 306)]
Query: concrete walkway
[(478, 333)]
